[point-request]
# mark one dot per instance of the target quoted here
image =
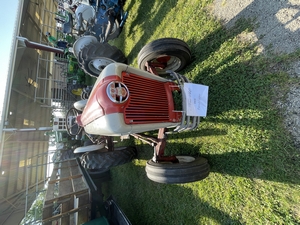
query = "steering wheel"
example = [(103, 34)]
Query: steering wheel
[(73, 128)]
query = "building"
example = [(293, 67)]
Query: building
[(27, 112)]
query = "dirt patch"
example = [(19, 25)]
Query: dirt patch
[(277, 21), (277, 29)]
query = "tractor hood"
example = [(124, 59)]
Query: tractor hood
[(109, 96), (126, 100)]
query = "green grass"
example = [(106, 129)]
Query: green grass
[(255, 169)]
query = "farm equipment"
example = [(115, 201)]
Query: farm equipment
[(87, 25), (104, 19), (76, 78), (94, 56), (129, 101)]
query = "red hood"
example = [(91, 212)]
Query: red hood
[(99, 104)]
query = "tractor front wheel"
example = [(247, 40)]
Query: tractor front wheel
[(189, 169), (164, 54)]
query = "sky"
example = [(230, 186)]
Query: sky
[(8, 18)]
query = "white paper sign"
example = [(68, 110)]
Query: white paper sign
[(196, 99)]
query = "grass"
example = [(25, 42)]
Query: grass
[(255, 168)]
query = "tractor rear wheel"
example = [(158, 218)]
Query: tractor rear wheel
[(103, 161), (94, 57), (165, 54), (68, 154), (189, 169), (100, 174)]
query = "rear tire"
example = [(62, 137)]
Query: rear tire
[(100, 175), (174, 173), (94, 57), (68, 154), (103, 161), (174, 52)]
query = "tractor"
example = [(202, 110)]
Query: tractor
[(127, 101)]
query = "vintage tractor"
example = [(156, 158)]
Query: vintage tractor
[(129, 101)]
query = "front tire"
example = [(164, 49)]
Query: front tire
[(173, 53), (189, 169)]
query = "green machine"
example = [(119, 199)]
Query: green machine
[(76, 78)]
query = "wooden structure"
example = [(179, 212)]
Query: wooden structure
[(68, 198)]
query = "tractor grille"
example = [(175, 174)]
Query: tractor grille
[(148, 101)]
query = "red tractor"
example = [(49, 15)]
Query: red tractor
[(129, 101)]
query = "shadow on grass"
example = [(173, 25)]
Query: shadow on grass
[(154, 203), (236, 86), (233, 87), (213, 41), (198, 133), (195, 133), (260, 164), (147, 20)]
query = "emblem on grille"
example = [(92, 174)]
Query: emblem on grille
[(117, 92)]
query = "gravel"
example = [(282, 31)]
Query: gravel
[(278, 30)]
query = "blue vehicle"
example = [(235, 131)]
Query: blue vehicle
[(103, 19)]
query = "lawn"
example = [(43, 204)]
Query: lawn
[(255, 168)]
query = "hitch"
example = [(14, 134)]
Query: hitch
[(161, 63), (159, 145)]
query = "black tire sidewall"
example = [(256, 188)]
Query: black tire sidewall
[(179, 54), (99, 174), (178, 172), (106, 160), (99, 50), (165, 46)]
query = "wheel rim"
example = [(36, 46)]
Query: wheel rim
[(171, 63), (81, 42), (185, 159), (182, 160), (97, 65)]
